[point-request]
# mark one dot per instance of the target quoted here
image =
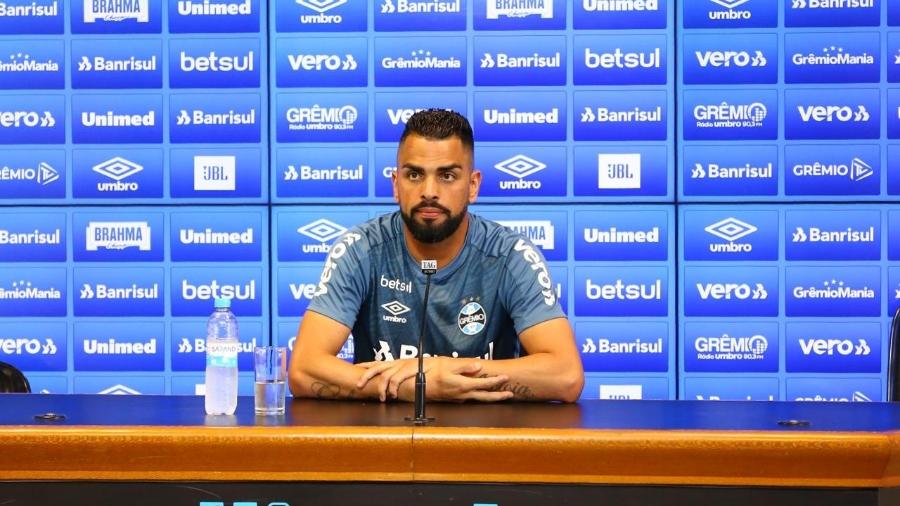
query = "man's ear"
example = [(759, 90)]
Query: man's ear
[(474, 185)]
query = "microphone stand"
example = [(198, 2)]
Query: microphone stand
[(429, 267)]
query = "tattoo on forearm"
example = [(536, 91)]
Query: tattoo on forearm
[(322, 390), (520, 391)]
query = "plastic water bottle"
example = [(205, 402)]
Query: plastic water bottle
[(222, 347)]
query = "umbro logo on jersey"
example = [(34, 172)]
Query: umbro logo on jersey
[(395, 309)]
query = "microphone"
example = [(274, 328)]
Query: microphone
[(429, 267)]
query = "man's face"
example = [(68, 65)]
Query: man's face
[(434, 185)]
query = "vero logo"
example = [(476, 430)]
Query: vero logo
[(322, 230)]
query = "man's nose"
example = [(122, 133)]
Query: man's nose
[(430, 187)]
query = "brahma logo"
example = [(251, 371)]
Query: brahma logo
[(322, 118), (117, 235), (850, 235), (424, 7), (540, 232), (321, 61), (620, 290), (607, 346), (618, 171), (731, 59), (521, 9), (732, 291), (215, 173), (716, 171), (117, 169), (520, 167), (725, 115), (116, 10), (43, 175), (395, 309), (832, 113)]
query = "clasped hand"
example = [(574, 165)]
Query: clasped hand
[(447, 379)]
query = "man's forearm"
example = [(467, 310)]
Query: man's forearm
[(538, 377), (328, 377)]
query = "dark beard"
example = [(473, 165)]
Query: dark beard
[(429, 232)]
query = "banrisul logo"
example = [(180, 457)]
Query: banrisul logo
[(213, 16), (617, 347), (730, 14), (833, 291), (201, 237), (832, 114), (226, 118), (607, 291), (116, 16), (620, 59), (37, 64), (832, 170), (533, 171), (730, 291), (739, 171), (618, 14), (194, 289), (29, 174), (313, 62), (33, 292), (832, 234), (626, 235), (527, 61), (121, 63), (832, 58), (34, 237), (327, 172), (322, 117), (833, 347), (117, 292), (32, 119), (737, 59), (430, 15), (214, 63), (117, 119), (832, 13), (621, 115), (730, 115), (31, 17), (730, 234), (731, 347), (534, 116), (432, 61)]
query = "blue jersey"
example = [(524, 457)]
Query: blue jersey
[(496, 287)]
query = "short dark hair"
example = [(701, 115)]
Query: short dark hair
[(440, 124)]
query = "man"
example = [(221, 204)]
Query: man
[(491, 297)]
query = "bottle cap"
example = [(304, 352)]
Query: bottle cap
[(223, 303)]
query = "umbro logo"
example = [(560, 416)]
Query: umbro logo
[(321, 5), (520, 166), (729, 4), (322, 230), (395, 308), (117, 168), (731, 229)]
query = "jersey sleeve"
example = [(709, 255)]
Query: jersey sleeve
[(527, 289), (345, 279)]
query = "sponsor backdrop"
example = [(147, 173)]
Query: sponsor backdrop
[(714, 212)]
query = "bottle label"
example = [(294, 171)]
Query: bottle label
[(221, 354)]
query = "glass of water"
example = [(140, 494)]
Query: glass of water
[(270, 366)]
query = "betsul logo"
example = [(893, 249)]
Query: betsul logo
[(193, 289)]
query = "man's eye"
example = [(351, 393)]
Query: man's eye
[(448, 176), (414, 175)]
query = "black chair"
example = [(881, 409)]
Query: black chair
[(893, 383), (12, 380)]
